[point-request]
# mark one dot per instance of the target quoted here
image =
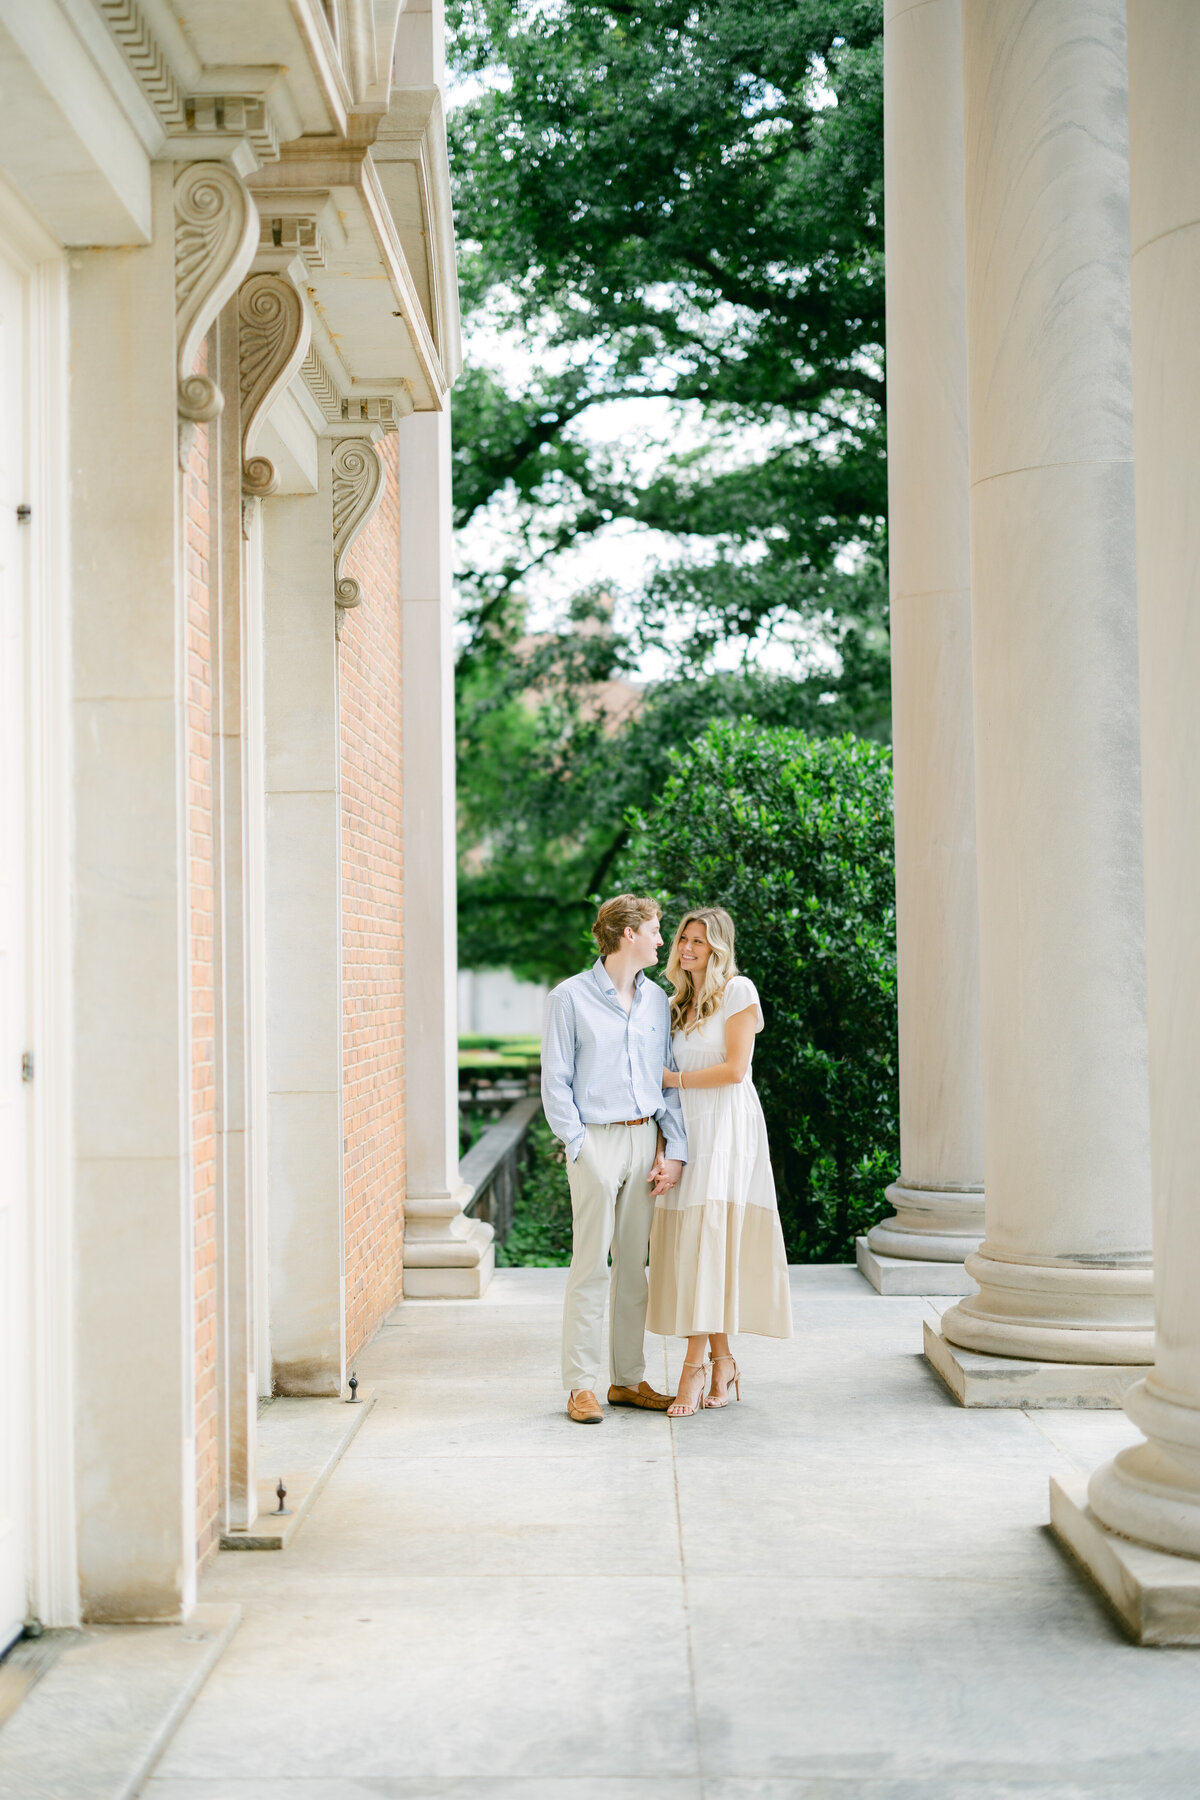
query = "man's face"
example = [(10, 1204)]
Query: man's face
[(647, 940)]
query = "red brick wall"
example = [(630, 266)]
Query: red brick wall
[(198, 528), (373, 924)]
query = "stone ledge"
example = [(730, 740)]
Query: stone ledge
[(98, 1721), (978, 1380), (1155, 1595), (303, 1441), (892, 1275)]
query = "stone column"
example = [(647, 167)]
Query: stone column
[(445, 1253), (1151, 1493), (1064, 1271), (939, 1197)]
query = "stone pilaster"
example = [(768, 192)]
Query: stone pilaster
[(303, 898), (137, 316), (445, 1253)]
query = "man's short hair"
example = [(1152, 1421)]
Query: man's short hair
[(623, 910)]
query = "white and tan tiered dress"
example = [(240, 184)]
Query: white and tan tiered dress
[(717, 1261)]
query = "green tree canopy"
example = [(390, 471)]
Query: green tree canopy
[(682, 201)]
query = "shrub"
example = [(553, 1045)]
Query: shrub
[(793, 835)]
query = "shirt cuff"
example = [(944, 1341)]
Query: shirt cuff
[(575, 1145), (674, 1147)]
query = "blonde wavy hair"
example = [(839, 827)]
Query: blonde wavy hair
[(720, 966)]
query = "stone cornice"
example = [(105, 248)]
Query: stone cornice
[(335, 188), (414, 132), (197, 123)]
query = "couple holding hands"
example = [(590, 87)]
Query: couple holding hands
[(666, 1153)]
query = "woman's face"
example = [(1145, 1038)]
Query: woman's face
[(694, 949)]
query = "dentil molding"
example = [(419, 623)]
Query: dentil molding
[(320, 384), (357, 491), (273, 338), (142, 52), (216, 236)]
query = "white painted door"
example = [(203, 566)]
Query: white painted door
[(14, 1373)]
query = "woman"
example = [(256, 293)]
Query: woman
[(717, 1261)]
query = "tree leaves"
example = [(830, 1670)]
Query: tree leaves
[(683, 202)]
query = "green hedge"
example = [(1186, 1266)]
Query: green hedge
[(793, 836)]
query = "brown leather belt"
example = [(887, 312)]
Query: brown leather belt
[(644, 1121)]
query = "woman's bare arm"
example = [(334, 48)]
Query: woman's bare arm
[(739, 1041)]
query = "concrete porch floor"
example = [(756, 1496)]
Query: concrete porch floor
[(842, 1587)]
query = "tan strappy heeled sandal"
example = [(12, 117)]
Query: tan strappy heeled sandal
[(734, 1382), (685, 1412)]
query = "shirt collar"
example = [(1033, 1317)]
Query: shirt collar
[(604, 980)]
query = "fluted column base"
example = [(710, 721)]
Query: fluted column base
[(1069, 1312), (1151, 1492), (930, 1224)]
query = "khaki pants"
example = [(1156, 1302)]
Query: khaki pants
[(611, 1209)]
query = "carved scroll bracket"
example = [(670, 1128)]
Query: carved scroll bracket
[(357, 491), (216, 236), (273, 334)]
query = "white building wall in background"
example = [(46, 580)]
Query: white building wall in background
[(493, 1003)]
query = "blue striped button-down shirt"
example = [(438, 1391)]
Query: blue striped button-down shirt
[(601, 1065)]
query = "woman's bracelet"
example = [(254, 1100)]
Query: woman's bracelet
[(681, 1080)]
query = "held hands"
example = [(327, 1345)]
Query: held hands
[(664, 1174)]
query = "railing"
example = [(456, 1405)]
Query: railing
[(492, 1167), (484, 1086)]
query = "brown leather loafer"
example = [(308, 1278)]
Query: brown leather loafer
[(584, 1408), (642, 1395)]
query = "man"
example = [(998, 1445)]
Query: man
[(606, 1037)]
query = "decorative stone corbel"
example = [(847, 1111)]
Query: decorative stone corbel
[(216, 236), (273, 335), (357, 491)]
